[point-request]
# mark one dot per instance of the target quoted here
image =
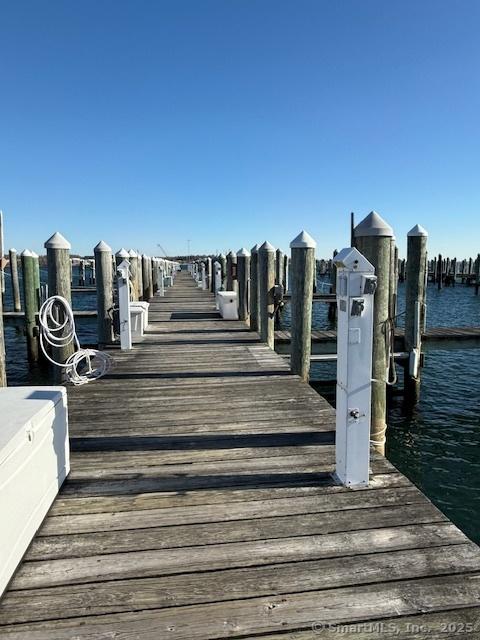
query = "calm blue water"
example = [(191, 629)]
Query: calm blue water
[(437, 447)]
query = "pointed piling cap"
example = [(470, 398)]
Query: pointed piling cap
[(102, 246), (231, 254), (266, 246), (122, 253), (303, 241), (26, 254), (417, 230), (12, 250), (254, 249), (373, 225), (57, 241), (132, 253), (33, 254), (243, 253)]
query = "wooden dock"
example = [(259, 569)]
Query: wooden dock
[(434, 338), (200, 505)]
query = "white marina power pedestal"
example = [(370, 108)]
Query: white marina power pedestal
[(356, 285), (125, 320), (34, 462)]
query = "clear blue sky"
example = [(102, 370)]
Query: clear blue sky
[(229, 122)]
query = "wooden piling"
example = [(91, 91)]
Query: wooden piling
[(231, 272), (243, 276), (155, 263), (392, 288), (440, 271), (209, 274), (58, 262), (30, 298), (139, 276), (222, 259), (254, 318), (17, 305), (286, 279), (279, 264), (145, 279), (150, 275), (103, 268), (477, 274), (302, 278), (266, 283), (82, 273), (373, 239), (36, 263), (415, 297)]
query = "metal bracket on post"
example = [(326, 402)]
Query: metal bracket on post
[(355, 290), (123, 284)]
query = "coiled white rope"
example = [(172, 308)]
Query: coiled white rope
[(84, 365)]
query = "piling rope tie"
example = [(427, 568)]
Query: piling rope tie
[(84, 365), (382, 438)]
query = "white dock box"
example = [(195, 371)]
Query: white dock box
[(34, 462), (228, 304), (141, 304), (136, 322)]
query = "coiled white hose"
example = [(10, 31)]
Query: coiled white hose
[(84, 365)]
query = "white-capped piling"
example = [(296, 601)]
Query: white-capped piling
[(373, 238), (254, 316), (415, 299), (58, 262), (302, 277), (266, 283), (231, 284), (103, 264)]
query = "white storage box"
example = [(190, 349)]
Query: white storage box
[(228, 304), (139, 304), (34, 462), (136, 321)]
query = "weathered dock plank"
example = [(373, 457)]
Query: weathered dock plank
[(200, 505)]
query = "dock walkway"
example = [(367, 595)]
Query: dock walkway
[(200, 505)]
